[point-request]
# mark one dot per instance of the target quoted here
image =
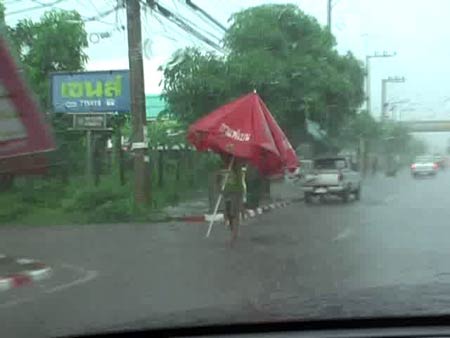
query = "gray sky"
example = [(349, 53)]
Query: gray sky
[(416, 30)]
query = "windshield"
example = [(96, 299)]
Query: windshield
[(423, 159), (330, 163), (170, 163)]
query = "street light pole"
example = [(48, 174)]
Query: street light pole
[(368, 57), (384, 82)]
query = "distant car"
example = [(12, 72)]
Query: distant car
[(424, 166)]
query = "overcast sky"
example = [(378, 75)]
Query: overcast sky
[(417, 30)]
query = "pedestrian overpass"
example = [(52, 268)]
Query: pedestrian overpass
[(427, 126)]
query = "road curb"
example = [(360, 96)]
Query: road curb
[(33, 271), (249, 213)]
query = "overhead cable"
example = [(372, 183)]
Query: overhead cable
[(29, 9), (206, 14), (182, 24)]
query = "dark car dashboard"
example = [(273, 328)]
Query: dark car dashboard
[(355, 328)]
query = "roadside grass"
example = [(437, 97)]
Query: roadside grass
[(52, 202), (45, 216)]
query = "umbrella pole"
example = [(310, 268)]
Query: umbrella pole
[(219, 198)]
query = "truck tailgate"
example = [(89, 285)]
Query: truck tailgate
[(322, 179)]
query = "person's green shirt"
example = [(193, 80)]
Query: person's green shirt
[(234, 182)]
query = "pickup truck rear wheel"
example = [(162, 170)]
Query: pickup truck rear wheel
[(358, 194), (345, 196), (308, 198)]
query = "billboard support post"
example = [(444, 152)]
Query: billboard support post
[(89, 157), (90, 123)]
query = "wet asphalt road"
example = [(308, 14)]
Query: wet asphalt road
[(385, 255)]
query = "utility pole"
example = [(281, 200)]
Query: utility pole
[(384, 104), (89, 157), (362, 142), (329, 8), (383, 100), (138, 118), (368, 58)]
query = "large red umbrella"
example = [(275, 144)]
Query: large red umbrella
[(245, 129)]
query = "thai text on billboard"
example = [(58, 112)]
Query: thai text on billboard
[(91, 92)]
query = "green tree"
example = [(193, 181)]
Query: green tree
[(166, 133), (2, 13), (359, 126), (54, 43), (282, 53), (195, 83)]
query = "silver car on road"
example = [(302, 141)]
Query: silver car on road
[(424, 166)]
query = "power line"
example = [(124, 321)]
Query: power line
[(96, 18), (117, 19), (7, 3), (96, 37), (193, 32), (203, 31), (182, 24), (101, 15), (201, 17), (39, 3), (170, 35), (93, 5), (165, 33), (41, 6), (206, 14)]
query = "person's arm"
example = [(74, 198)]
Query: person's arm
[(244, 183)]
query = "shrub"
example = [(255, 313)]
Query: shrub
[(91, 197), (119, 210), (11, 207), (41, 192)]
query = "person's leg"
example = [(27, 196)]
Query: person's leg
[(236, 210), (228, 211)]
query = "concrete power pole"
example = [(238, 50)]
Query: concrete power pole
[(329, 8), (383, 99), (368, 106), (368, 58), (384, 82), (138, 116)]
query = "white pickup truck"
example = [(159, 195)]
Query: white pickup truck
[(332, 176)]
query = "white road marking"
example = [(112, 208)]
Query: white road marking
[(40, 274), (5, 284), (12, 303), (343, 234), (87, 275), (25, 261)]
